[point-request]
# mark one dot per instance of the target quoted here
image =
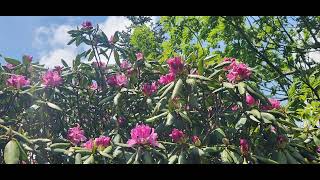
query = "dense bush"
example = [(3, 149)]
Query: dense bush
[(187, 109)]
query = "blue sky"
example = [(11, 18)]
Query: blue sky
[(45, 37)]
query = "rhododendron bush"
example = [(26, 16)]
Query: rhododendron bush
[(188, 109)]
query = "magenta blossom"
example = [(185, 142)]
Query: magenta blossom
[(94, 86), (139, 56), (100, 64), (166, 79), (18, 81), (58, 69), (196, 140), (149, 89), (87, 25), (175, 65), (76, 135), (250, 100), (121, 120), (28, 58), (10, 66), (177, 135), (244, 147), (143, 134), (89, 144), (51, 79), (234, 107), (237, 71), (117, 80), (125, 65), (102, 142), (318, 149), (275, 104)]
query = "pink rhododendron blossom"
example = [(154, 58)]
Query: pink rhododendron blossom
[(149, 89), (166, 79), (282, 141), (237, 71), (175, 65), (177, 135), (143, 134), (250, 100), (87, 25), (51, 79), (275, 104), (89, 144), (10, 66), (125, 65), (100, 64), (28, 58), (244, 147), (102, 142), (318, 149), (196, 140), (235, 108), (17, 81), (117, 80), (76, 135), (139, 56), (94, 86)]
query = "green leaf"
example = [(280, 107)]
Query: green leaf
[(256, 113), (254, 118), (78, 159), (60, 145), (241, 123), (91, 56), (265, 160), (173, 159), (53, 106), (199, 77), (71, 41), (220, 131), (170, 119), (281, 157), (200, 66), (12, 61), (152, 119), (177, 89), (242, 88), (117, 99), (290, 158), (228, 85), (116, 57), (316, 140), (267, 117), (90, 160), (167, 90), (147, 158), (105, 155), (11, 152), (182, 158), (64, 63), (185, 117)]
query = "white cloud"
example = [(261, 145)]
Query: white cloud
[(52, 41)]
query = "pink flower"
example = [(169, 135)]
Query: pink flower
[(87, 25), (318, 149), (177, 135), (18, 81), (102, 142), (282, 141), (244, 147), (89, 144), (28, 58), (196, 140), (58, 69), (117, 80), (233, 63), (76, 135), (143, 134), (94, 86), (51, 79), (235, 108), (121, 120), (273, 129), (237, 71), (100, 64), (10, 66), (125, 65), (111, 39), (166, 79), (250, 100), (275, 104), (139, 56), (149, 89), (175, 65)]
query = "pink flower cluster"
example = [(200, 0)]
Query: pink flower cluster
[(76, 135), (275, 104), (18, 81), (175, 65), (100, 142), (9, 66), (117, 80), (143, 134), (250, 100), (125, 65), (177, 135), (244, 147), (52, 79), (196, 140), (28, 58), (166, 79), (139, 56), (149, 89), (87, 25), (237, 71), (100, 64), (94, 86)]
